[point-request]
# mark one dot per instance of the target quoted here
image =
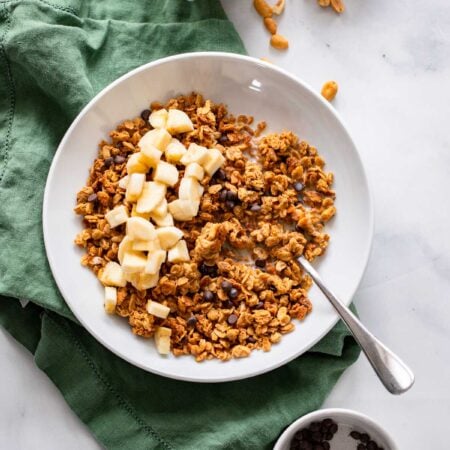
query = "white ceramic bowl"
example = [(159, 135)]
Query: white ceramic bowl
[(347, 421), (247, 86)]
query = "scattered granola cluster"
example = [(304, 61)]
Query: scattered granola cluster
[(267, 205)]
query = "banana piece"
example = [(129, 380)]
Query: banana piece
[(145, 246), (178, 122), (157, 309), (135, 185), (168, 236), (161, 209), (154, 261), (165, 221), (174, 151), (117, 216), (150, 155), (110, 299), (213, 162), (162, 340), (125, 245), (134, 213), (183, 209), (166, 173), (140, 229), (158, 138), (195, 153), (135, 164), (143, 281), (190, 189), (152, 195), (194, 170), (112, 275), (158, 118), (123, 182), (134, 262), (178, 253)]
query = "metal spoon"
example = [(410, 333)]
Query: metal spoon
[(396, 376)]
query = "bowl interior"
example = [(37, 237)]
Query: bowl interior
[(347, 421), (247, 86)]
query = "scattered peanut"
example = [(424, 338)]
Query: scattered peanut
[(338, 6), (278, 7), (329, 90), (262, 8), (279, 42), (324, 3), (271, 25)]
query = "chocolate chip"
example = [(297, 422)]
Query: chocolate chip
[(229, 204), (305, 445), (223, 195), (233, 293), (364, 438), (251, 339), (232, 319), (255, 207), (108, 162), (315, 426), (372, 445), (361, 447), (298, 186), (223, 139), (327, 423), (227, 304), (298, 228), (260, 262), (220, 175), (259, 305), (326, 445), (145, 114), (92, 197), (226, 286), (206, 269), (333, 428), (355, 435), (119, 159), (208, 296), (191, 321), (232, 196), (328, 436), (317, 436), (318, 447)]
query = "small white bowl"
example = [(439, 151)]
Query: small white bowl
[(347, 421)]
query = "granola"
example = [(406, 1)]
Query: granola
[(267, 205)]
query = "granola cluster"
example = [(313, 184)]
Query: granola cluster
[(267, 205)]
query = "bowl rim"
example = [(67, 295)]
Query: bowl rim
[(329, 412), (169, 59)]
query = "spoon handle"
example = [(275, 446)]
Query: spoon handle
[(391, 370)]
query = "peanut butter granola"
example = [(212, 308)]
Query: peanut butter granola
[(239, 288)]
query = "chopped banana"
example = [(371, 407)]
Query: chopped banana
[(162, 340), (152, 195), (150, 155), (174, 151), (145, 246), (112, 275), (158, 118), (135, 186), (123, 182), (183, 209), (134, 213), (194, 170), (136, 165), (143, 281), (110, 299), (178, 122), (165, 221), (190, 189), (195, 153), (178, 253), (161, 209), (213, 161), (157, 309), (168, 236), (117, 216), (140, 229), (166, 173), (134, 262), (158, 138), (154, 261), (125, 245)]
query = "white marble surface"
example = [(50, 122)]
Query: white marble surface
[(392, 63)]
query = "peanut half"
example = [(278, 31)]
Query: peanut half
[(279, 42), (338, 6), (271, 25), (278, 7), (263, 8)]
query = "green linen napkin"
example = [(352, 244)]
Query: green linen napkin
[(54, 57)]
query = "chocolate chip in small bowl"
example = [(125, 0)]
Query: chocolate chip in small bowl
[(335, 429)]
